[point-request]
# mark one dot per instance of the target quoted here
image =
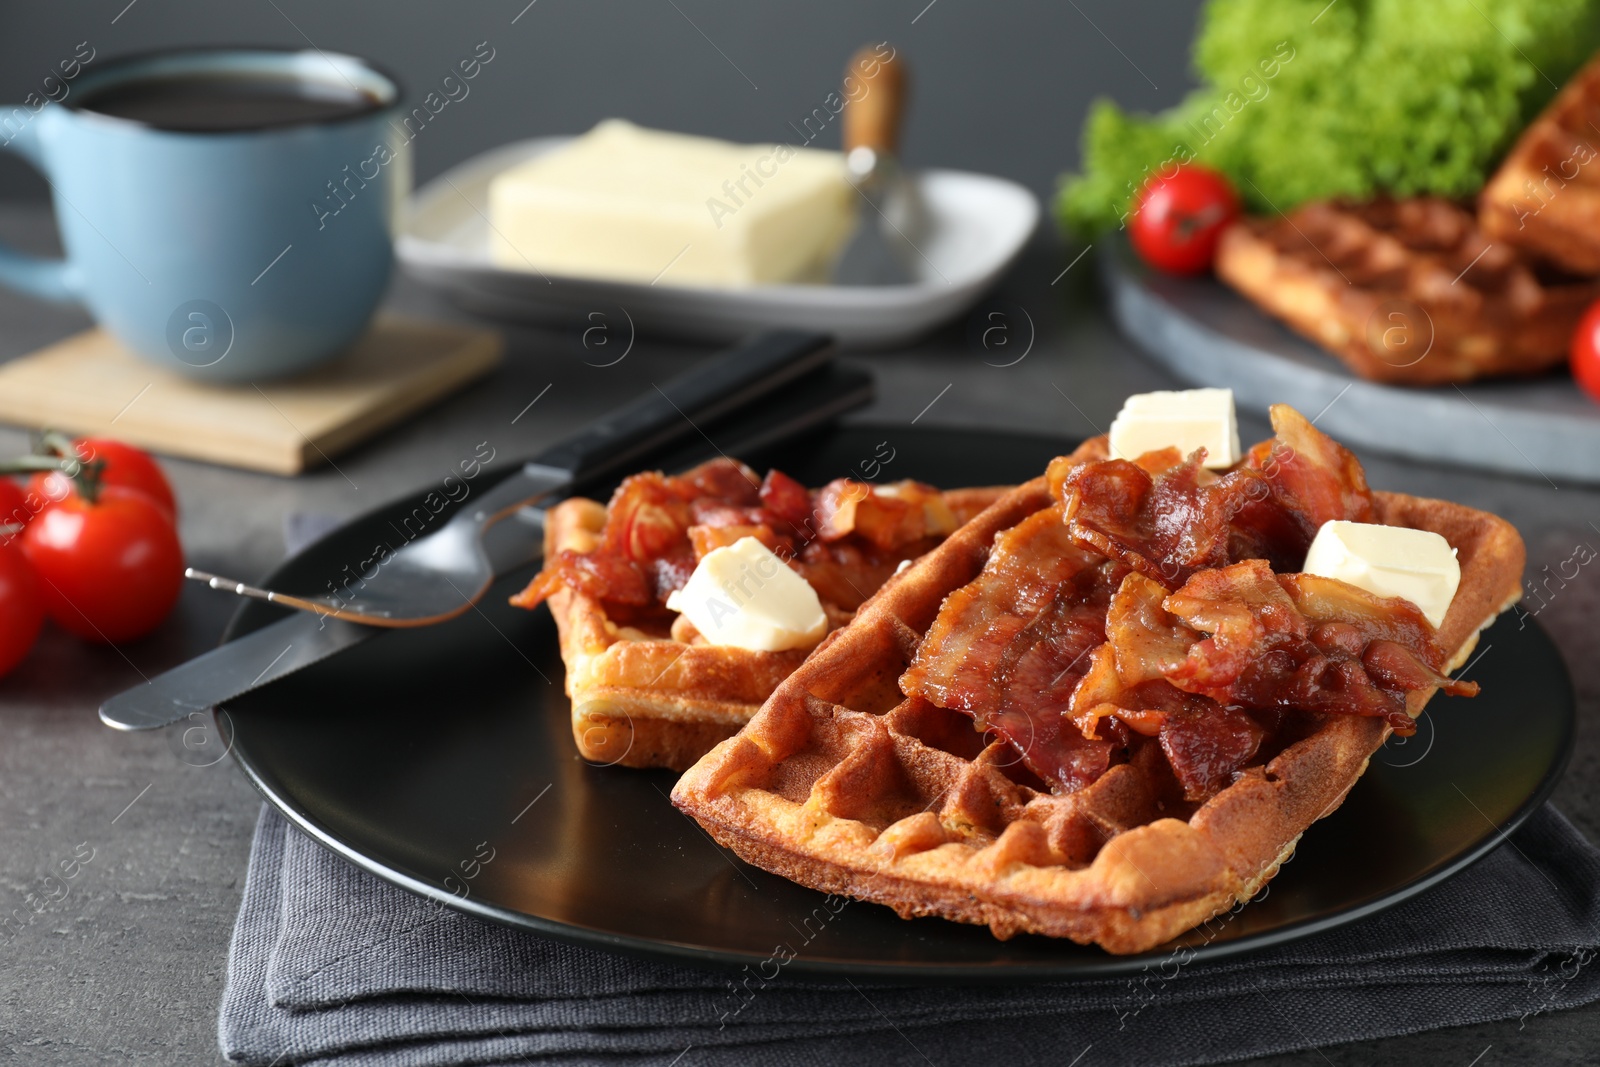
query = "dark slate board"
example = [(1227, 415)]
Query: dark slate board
[(1204, 332)]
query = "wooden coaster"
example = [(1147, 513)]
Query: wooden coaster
[(89, 384)]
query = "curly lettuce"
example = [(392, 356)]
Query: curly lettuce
[(1303, 99)]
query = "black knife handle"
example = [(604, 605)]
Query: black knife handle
[(808, 403), (752, 369)]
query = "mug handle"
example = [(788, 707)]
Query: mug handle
[(48, 279)]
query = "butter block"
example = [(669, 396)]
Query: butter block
[(1186, 419), (631, 204), (1418, 565), (745, 596)]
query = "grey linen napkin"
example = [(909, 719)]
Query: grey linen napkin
[(334, 967)]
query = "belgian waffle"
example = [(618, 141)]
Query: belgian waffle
[(1546, 195), (844, 784), (1408, 291), (648, 699)]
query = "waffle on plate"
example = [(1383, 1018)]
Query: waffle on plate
[(1408, 291), (1546, 195), (1029, 727), (647, 690)]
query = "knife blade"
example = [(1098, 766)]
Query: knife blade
[(280, 648), (226, 671)]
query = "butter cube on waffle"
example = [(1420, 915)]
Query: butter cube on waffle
[(1406, 291), (1546, 195), (845, 784)]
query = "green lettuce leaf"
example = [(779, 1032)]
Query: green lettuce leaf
[(1303, 99)]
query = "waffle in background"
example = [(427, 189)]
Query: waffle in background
[(1407, 291), (1546, 195)]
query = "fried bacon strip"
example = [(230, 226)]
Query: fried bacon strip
[(1009, 647), (886, 516), (645, 550), (846, 539), (1165, 525), (1199, 667), (1313, 477), (1207, 746), (1204, 742), (1242, 636), (1168, 517), (1157, 600)]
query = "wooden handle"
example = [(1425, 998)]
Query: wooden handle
[(875, 89)]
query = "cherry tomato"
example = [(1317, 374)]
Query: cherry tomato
[(21, 610), (1586, 352), (13, 505), (109, 570), (1178, 217), (125, 465)]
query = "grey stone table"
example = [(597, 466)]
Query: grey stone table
[(129, 966)]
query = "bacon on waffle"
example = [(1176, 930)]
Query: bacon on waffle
[(1546, 195), (646, 688), (1408, 291), (1106, 708)]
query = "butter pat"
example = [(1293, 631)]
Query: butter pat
[(745, 596), (1418, 565), (641, 205), (1186, 420)]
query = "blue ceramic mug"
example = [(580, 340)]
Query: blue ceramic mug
[(226, 214)]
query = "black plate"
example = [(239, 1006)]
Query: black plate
[(420, 751)]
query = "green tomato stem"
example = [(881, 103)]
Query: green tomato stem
[(29, 464), (54, 441), (86, 477)]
